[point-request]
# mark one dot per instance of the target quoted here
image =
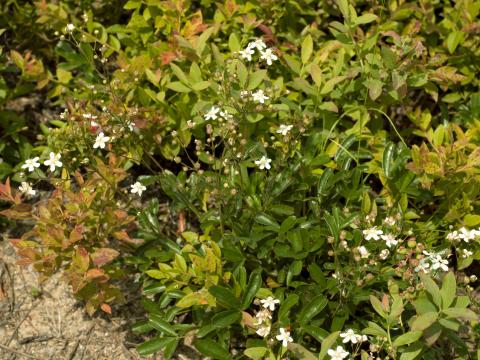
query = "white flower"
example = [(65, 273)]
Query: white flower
[(53, 161), (389, 240), (259, 96), (226, 115), (284, 337), (284, 129), (372, 233), (100, 141), (31, 164), (259, 44), (338, 354), (247, 53), (269, 56), (384, 254), (349, 335), (26, 189), (263, 163), (212, 113), (70, 27), (389, 220), (138, 188), (244, 93), (130, 126), (263, 331), (453, 235), (363, 252), (190, 124), (439, 263), (466, 235), (262, 316), (362, 338), (465, 253), (423, 266), (89, 116), (269, 303)]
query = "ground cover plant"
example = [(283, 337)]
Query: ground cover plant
[(283, 179)]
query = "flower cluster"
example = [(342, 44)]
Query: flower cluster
[(266, 54), (463, 234), (53, 162), (263, 321), (432, 261)]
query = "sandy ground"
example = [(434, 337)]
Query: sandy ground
[(46, 322)]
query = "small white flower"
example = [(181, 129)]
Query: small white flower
[(259, 96), (70, 27), (284, 129), (284, 337), (53, 161), (100, 141), (423, 266), (465, 253), (226, 115), (244, 93), (190, 124), (269, 303), (389, 220), (269, 56), (31, 164), (466, 235), (258, 44), (338, 354), (384, 254), (247, 53), (453, 235), (262, 316), (389, 240), (363, 252), (263, 163), (362, 338), (439, 263), (130, 126), (138, 188), (26, 189), (89, 116), (212, 113), (372, 233), (349, 336), (263, 331)]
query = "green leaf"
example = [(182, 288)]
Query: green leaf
[(154, 345), (208, 347), (225, 297), (424, 321), (432, 289), (299, 352), (256, 78), (316, 74), (170, 348), (407, 338), (461, 313), (254, 284), (375, 330), (202, 85), (313, 308), (327, 344), (161, 325), (449, 290), (378, 306), (374, 87), (365, 19), (307, 48), (255, 353), (388, 159), (412, 352), (471, 220), (178, 87), (234, 43), (285, 307), (64, 76), (453, 40), (330, 84)]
